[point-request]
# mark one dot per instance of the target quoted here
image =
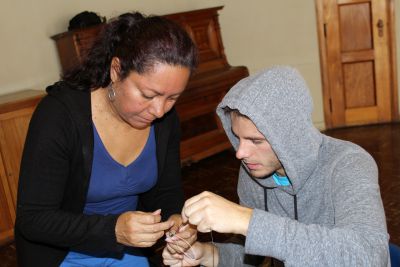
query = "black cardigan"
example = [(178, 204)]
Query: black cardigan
[(54, 179)]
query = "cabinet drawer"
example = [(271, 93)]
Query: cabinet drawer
[(198, 106)]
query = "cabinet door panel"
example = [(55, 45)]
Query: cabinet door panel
[(13, 128), (7, 212), (15, 113)]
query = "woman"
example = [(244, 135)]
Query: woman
[(100, 172)]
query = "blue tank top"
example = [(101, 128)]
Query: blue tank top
[(114, 189)]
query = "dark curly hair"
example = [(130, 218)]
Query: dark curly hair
[(139, 42)]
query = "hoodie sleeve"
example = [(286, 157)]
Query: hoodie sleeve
[(233, 255), (358, 237)]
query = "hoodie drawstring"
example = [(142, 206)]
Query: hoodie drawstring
[(265, 198), (296, 216)]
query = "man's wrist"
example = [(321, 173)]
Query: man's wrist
[(210, 256), (245, 222)]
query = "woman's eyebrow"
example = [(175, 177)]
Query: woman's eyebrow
[(156, 92)]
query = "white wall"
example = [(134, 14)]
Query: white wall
[(263, 33), (29, 56), (255, 33)]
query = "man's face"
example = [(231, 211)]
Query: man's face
[(254, 150)]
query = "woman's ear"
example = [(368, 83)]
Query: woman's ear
[(115, 69)]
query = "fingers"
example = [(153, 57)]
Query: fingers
[(138, 239), (157, 212), (146, 218), (181, 242), (187, 232), (162, 226), (141, 229), (151, 222), (172, 231), (150, 234), (153, 232), (197, 198), (191, 201), (178, 246), (187, 259), (198, 211), (179, 260), (203, 227), (171, 258), (175, 249)]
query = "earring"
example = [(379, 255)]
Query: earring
[(111, 93)]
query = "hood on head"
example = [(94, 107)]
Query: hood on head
[(278, 102)]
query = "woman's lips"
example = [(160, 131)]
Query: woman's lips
[(146, 120)]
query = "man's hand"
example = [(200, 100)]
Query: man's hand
[(181, 236), (201, 253), (211, 212), (140, 229)]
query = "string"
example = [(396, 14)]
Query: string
[(213, 245), (168, 239)]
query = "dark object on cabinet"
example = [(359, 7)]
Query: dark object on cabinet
[(73, 46), (202, 134), (85, 19)]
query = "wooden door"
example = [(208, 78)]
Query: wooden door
[(357, 61)]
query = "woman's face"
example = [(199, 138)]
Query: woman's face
[(142, 98)]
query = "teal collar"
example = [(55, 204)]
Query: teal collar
[(281, 180)]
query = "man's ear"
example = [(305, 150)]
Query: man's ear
[(115, 69)]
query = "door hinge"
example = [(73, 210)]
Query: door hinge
[(330, 105), (325, 30)]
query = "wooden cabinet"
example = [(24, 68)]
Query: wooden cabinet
[(202, 135), (15, 112)]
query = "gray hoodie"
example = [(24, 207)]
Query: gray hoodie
[(341, 220)]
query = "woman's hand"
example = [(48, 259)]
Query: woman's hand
[(140, 229), (211, 212), (180, 237), (203, 253)]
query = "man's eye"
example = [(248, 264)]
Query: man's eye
[(257, 142)]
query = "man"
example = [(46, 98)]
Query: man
[(306, 199)]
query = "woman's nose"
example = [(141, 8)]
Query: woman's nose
[(158, 108)]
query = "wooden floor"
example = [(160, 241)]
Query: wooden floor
[(219, 175)]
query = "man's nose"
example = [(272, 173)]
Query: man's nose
[(241, 152)]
